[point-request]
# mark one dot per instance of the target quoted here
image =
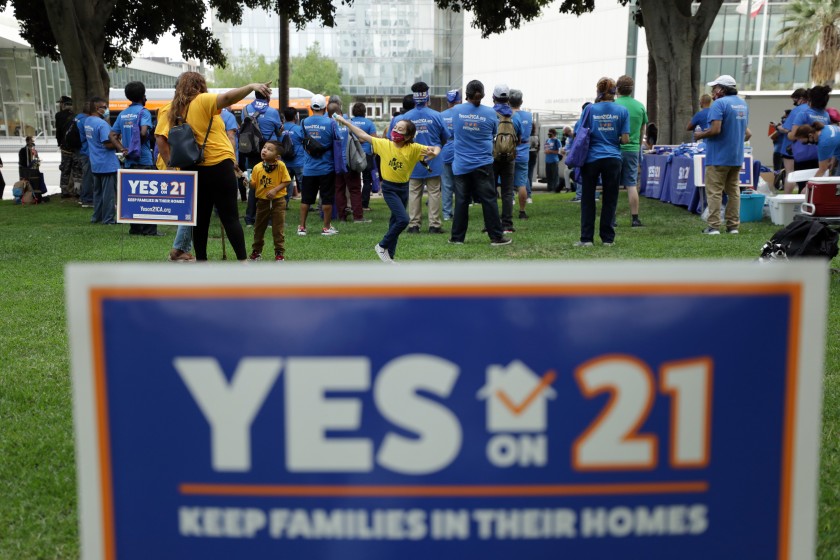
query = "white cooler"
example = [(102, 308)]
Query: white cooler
[(783, 207)]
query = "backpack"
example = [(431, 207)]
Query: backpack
[(356, 156), (311, 146), (250, 137), (72, 136), (801, 238), (504, 145), (287, 147), (135, 140)]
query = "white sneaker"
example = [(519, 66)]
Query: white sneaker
[(301, 230), (732, 230), (530, 200), (382, 253), (329, 231)]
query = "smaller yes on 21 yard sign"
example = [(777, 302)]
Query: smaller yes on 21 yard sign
[(448, 411)]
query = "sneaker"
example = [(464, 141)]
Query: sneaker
[(301, 231), (530, 200), (382, 253), (414, 229), (254, 256), (499, 241), (329, 231), (177, 255), (454, 242), (523, 215), (710, 231), (636, 223), (86, 205), (435, 229), (249, 225), (732, 230), (508, 229), (583, 244), (447, 218), (608, 243), (279, 258), (575, 200), (361, 221)]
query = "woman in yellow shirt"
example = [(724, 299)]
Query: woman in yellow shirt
[(399, 155), (217, 184)]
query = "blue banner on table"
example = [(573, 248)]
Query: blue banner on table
[(152, 196), (654, 169), (680, 185), (745, 179), (591, 418)]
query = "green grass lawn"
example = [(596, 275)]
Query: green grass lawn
[(38, 514)]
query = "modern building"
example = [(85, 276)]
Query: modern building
[(31, 85), (381, 47)]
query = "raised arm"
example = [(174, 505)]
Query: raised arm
[(360, 134), (230, 97)]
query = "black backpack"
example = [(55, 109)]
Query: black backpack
[(311, 146), (801, 238), (287, 147), (72, 136), (250, 137)]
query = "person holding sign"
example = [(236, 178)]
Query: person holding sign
[(270, 179), (216, 181), (399, 156)]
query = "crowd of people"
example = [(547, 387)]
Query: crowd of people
[(470, 153)]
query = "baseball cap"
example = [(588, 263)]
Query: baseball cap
[(65, 99), (726, 81), (318, 102), (501, 91), (453, 96)]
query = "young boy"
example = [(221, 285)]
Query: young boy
[(269, 179)]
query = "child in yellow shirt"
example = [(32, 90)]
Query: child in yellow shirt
[(270, 178), (399, 156)]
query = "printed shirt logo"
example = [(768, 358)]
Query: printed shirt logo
[(395, 164)]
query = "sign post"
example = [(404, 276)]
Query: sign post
[(625, 413), (151, 196)]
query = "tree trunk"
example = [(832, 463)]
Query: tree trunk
[(79, 30), (676, 39), (283, 82), (651, 88)]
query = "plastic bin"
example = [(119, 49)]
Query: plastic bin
[(752, 206), (783, 207)]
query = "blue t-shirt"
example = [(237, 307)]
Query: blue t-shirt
[(552, 144), (367, 125), (727, 148), (607, 121), (267, 118), (230, 124), (808, 115), (829, 143), (80, 124), (431, 131), (473, 129), (447, 153), (321, 129), (786, 125), (701, 119), (123, 125), (102, 159), (295, 132), (524, 122)]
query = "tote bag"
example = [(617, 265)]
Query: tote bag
[(184, 151), (577, 152)]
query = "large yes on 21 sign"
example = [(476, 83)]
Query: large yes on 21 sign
[(346, 411)]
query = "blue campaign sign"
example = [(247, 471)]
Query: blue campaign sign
[(151, 196), (745, 179), (490, 415)]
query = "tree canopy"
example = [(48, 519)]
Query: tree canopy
[(245, 68), (315, 72), (812, 27)]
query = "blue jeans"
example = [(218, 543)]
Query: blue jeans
[(295, 173), (183, 239), (396, 197), (447, 190), (86, 194), (104, 198), (478, 184), (609, 170)]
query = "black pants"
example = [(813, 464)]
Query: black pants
[(367, 182), (609, 169), (477, 184), (217, 187)]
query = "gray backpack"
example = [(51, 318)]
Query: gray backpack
[(356, 156)]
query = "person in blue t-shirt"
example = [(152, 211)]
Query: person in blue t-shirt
[(294, 164), (520, 174), (502, 168), (473, 128), (826, 138), (447, 154), (778, 141), (270, 125), (431, 131), (318, 170), (805, 155), (551, 149), (102, 141), (725, 153), (123, 126), (609, 126), (359, 120), (701, 117), (800, 102), (86, 191), (231, 129), (348, 183)]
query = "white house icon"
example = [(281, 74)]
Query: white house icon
[(516, 398)]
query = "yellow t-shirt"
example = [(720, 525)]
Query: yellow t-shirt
[(201, 109), (263, 181), (162, 129), (397, 163)]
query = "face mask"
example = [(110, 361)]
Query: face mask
[(397, 137), (269, 167)]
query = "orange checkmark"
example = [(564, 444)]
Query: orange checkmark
[(546, 380)]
